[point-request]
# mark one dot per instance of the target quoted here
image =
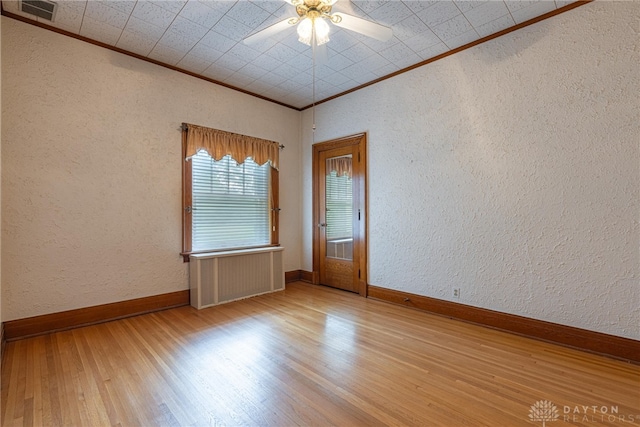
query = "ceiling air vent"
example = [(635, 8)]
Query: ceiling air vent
[(40, 8)]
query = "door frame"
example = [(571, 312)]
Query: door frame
[(359, 177)]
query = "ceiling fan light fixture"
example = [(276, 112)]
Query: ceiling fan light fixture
[(311, 28), (322, 31), (305, 29)]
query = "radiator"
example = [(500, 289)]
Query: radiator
[(220, 277)]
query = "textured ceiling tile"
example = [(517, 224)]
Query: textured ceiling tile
[(467, 5), (324, 72), (69, 15), (201, 14), (205, 52), (99, 31), (153, 14), (301, 62), (399, 53), (532, 11), (273, 79), (252, 71), (282, 53), (177, 41), (294, 43), (338, 61), (386, 70), (136, 43), (194, 63), (391, 13), (186, 28), (289, 86), (337, 78), (364, 78), (342, 39), (409, 27), (232, 29), (378, 45), (125, 6), (419, 6), (303, 79), (217, 72), (452, 28), (239, 80), (166, 54), (354, 70), (248, 14), (244, 52), (100, 11), (433, 51), (217, 41), (270, 6), (144, 29), (422, 41), (438, 13), (462, 39), (375, 62), (267, 62), (487, 12), (359, 52), (368, 6), (495, 26), (173, 6), (231, 62), (258, 87), (286, 71)]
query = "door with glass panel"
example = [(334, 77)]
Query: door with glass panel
[(339, 255)]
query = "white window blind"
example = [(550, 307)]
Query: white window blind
[(230, 203), (339, 204)]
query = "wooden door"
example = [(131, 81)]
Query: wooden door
[(339, 214)]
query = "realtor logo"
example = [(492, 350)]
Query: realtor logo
[(544, 411)]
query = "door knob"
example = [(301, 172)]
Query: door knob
[(322, 224)]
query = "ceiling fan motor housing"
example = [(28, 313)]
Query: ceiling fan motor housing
[(313, 8)]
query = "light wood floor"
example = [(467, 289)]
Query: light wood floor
[(306, 356)]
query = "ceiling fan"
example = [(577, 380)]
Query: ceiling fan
[(313, 29)]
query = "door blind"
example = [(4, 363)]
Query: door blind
[(339, 204), (231, 204)]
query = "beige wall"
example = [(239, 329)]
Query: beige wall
[(91, 170), (510, 171)]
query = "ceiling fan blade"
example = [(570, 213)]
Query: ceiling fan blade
[(362, 26), (270, 31)]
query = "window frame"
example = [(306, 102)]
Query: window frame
[(187, 200)]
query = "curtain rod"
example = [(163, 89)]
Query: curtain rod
[(185, 126)]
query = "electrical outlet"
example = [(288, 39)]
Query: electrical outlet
[(456, 292)]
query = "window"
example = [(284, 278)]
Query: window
[(339, 204), (228, 203)]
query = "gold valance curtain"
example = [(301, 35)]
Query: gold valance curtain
[(341, 165), (219, 143)]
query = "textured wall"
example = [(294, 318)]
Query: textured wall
[(510, 171), (91, 170)]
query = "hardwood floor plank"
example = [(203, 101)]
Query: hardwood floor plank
[(309, 356)]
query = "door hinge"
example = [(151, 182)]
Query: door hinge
[(358, 214), (358, 273), (358, 156)]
